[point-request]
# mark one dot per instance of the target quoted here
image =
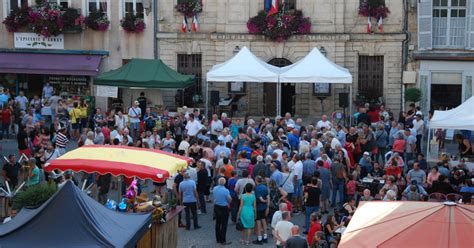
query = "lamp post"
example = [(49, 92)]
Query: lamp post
[(236, 50), (323, 51)]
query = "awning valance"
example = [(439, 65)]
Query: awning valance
[(50, 64)]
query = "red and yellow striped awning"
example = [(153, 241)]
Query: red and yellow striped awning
[(121, 160)]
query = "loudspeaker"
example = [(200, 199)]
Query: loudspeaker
[(215, 98), (343, 100)]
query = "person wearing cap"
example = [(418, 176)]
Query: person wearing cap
[(135, 113), (188, 197), (418, 125)]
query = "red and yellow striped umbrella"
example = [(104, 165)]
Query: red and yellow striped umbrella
[(121, 160)]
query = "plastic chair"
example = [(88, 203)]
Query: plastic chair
[(437, 197), (453, 197)]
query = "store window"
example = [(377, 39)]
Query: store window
[(190, 64), (134, 7), (446, 90), (63, 3), (449, 23), (371, 77), (97, 5)]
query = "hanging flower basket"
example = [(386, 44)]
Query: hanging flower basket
[(45, 19), (97, 21), (373, 8), (189, 8), (280, 26), (73, 21), (132, 24), (17, 20)]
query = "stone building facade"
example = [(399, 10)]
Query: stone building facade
[(374, 60)]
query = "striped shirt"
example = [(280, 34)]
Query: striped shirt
[(61, 140)]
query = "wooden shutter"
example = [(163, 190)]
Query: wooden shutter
[(425, 13), (470, 25)]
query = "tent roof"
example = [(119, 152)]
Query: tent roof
[(243, 67), (143, 163), (73, 219), (409, 224), (461, 117), (315, 68), (145, 73)]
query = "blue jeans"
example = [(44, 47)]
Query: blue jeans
[(309, 211), (202, 200), (338, 186)]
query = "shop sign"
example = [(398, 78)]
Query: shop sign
[(34, 41), (68, 80), (107, 91)]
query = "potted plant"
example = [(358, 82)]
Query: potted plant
[(412, 95), (132, 24), (373, 8), (73, 21), (17, 19), (189, 8), (34, 196), (97, 21)]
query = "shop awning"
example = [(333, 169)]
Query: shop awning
[(50, 64), (145, 73)]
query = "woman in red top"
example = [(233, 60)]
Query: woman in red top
[(315, 227), (399, 144), (393, 170), (6, 121)]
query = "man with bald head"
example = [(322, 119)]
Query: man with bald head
[(324, 123), (296, 240), (222, 199)]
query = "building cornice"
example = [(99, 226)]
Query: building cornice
[(447, 55)]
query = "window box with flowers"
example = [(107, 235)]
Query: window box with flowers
[(132, 24), (189, 8), (374, 9), (279, 26), (98, 21)]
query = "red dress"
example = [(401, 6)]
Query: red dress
[(350, 153)]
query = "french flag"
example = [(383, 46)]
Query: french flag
[(273, 8), (369, 25), (195, 25), (380, 24), (184, 27)]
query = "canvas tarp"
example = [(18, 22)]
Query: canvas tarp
[(244, 67), (72, 219), (315, 68), (461, 117), (145, 73)]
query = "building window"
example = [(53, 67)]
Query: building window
[(16, 4), (97, 5), (449, 23), (134, 7), (63, 3), (371, 77), (289, 5), (191, 64)]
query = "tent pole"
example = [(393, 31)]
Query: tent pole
[(428, 145), (207, 99), (278, 103), (350, 105)]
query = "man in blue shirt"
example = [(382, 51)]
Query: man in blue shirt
[(276, 174), (222, 199), (293, 138), (262, 198), (188, 196)]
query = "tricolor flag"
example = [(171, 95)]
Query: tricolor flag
[(195, 25), (380, 24), (369, 25), (273, 8), (184, 27)]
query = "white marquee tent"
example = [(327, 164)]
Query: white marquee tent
[(461, 117)]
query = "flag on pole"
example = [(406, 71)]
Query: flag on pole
[(369, 25), (184, 27), (273, 8), (195, 25), (380, 24)]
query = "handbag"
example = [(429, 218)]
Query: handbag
[(239, 226)]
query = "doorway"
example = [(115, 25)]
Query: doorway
[(445, 96), (287, 92)]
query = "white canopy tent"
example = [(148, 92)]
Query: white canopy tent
[(246, 67)]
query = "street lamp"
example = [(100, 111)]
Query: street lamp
[(236, 50), (323, 51)]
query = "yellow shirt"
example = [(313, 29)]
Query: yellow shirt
[(83, 113), (75, 115)]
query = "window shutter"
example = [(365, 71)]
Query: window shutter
[(467, 88), (424, 92), (425, 11), (470, 30)]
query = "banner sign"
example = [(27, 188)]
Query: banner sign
[(107, 91), (68, 80), (34, 41)]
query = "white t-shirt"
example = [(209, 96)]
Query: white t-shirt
[(216, 127), (283, 229), (134, 114), (193, 127), (276, 218), (184, 146), (326, 124), (298, 170), (334, 143)]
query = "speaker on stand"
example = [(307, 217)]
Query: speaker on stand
[(214, 100)]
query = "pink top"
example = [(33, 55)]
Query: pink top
[(351, 187), (432, 177)]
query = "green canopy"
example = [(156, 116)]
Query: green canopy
[(145, 73)]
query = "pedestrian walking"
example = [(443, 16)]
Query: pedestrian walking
[(188, 196), (222, 199)]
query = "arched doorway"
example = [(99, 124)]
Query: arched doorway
[(287, 92)]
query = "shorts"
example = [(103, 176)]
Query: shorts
[(261, 215), (75, 126), (84, 122)]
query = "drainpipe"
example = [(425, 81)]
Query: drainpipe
[(404, 51), (155, 29)]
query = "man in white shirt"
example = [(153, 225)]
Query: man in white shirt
[(297, 168), (283, 229), (324, 123), (22, 100), (134, 113), (216, 127), (277, 216), (48, 90), (184, 146), (418, 125), (193, 126)]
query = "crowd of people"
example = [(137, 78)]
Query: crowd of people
[(260, 173)]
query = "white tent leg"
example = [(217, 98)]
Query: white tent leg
[(428, 145), (278, 98), (207, 99)]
